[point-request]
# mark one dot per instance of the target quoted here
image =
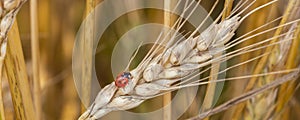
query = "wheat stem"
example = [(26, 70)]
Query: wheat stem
[(17, 76), (167, 97), (87, 51), (35, 58)]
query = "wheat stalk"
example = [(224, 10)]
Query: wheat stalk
[(171, 68), (167, 97), (89, 32), (35, 58), (8, 11), (15, 69)]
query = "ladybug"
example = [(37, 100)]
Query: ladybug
[(122, 79)]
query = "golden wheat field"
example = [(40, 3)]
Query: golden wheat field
[(149, 59)]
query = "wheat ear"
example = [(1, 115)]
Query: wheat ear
[(171, 68)]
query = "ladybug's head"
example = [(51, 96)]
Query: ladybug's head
[(122, 79)]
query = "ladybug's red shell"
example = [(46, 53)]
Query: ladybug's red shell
[(122, 79)]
